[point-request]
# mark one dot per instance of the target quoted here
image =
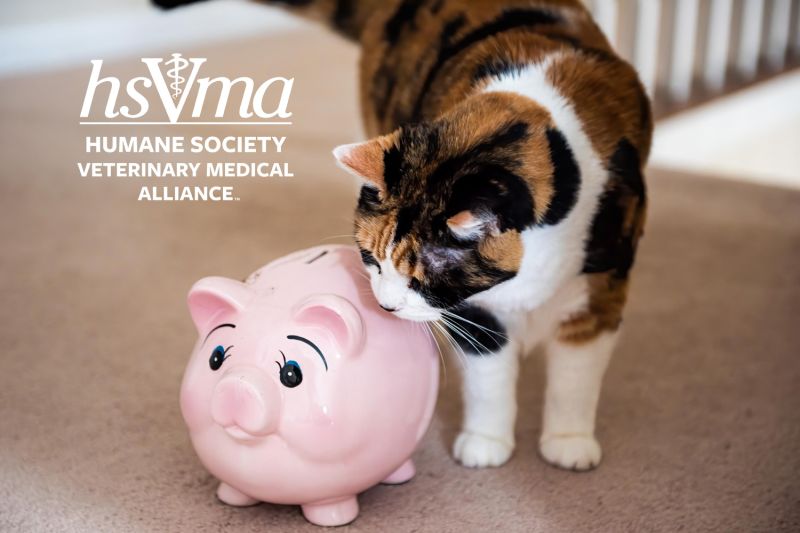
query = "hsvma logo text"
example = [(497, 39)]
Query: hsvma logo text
[(180, 81)]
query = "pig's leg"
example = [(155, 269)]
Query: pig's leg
[(403, 474), (336, 512), (231, 496), (490, 363)]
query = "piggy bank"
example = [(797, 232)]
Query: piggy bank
[(302, 390)]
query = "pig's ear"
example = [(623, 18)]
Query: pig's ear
[(211, 297), (336, 315)]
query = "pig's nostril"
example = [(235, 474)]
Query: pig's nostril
[(238, 433)]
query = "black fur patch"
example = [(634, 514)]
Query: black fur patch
[(393, 166), (431, 145), (451, 27), (645, 112), (342, 14), (566, 179), (385, 81), (368, 201), (405, 14), (494, 189), (513, 133), (510, 19), (382, 84), (626, 167), (577, 45), (605, 234), (405, 220), (169, 4), (412, 262), (479, 333), (495, 69), (609, 247), (437, 6)]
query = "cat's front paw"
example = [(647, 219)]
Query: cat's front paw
[(573, 452), (478, 451)]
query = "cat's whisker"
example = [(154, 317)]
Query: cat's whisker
[(331, 237), (484, 328), (460, 332), (363, 275), (459, 351), (453, 345), (467, 337), (427, 326), (497, 333)]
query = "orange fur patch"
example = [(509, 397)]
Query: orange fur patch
[(504, 250)]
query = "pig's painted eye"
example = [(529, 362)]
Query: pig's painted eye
[(290, 374), (218, 356)]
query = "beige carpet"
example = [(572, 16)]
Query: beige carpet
[(700, 416)]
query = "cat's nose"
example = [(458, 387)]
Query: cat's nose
[(389, 297)]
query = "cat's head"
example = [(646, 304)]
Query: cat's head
[(444, 203)]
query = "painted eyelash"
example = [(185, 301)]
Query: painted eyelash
[(280, 366)]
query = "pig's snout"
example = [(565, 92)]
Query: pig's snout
[(246, 402)]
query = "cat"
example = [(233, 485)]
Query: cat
[(503, 196)]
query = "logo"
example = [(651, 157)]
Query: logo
[(171, 84), (179, 64)]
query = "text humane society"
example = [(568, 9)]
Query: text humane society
[(177, 144)]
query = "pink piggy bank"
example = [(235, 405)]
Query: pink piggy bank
[(301, 389)]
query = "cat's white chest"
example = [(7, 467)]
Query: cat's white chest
[(531, 327), (552, 256)]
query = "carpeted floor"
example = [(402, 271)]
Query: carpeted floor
[(700, 416)]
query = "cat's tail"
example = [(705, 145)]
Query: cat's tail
[(348, 17)]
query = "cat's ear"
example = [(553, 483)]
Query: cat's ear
[(364, 160), (469, 224)]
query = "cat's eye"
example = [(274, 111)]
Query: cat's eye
[(218, 356), (414, 284), (369, 260)]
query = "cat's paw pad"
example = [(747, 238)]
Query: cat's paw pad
[(573, 452), (477, 451)]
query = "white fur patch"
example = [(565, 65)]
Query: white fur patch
[(490, 408), (393, 293), (574, 378)]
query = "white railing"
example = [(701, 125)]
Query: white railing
[(691, 50)]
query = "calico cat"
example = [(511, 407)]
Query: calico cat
[(503, 196)]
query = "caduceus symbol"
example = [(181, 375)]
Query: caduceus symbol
[(178, 63)]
